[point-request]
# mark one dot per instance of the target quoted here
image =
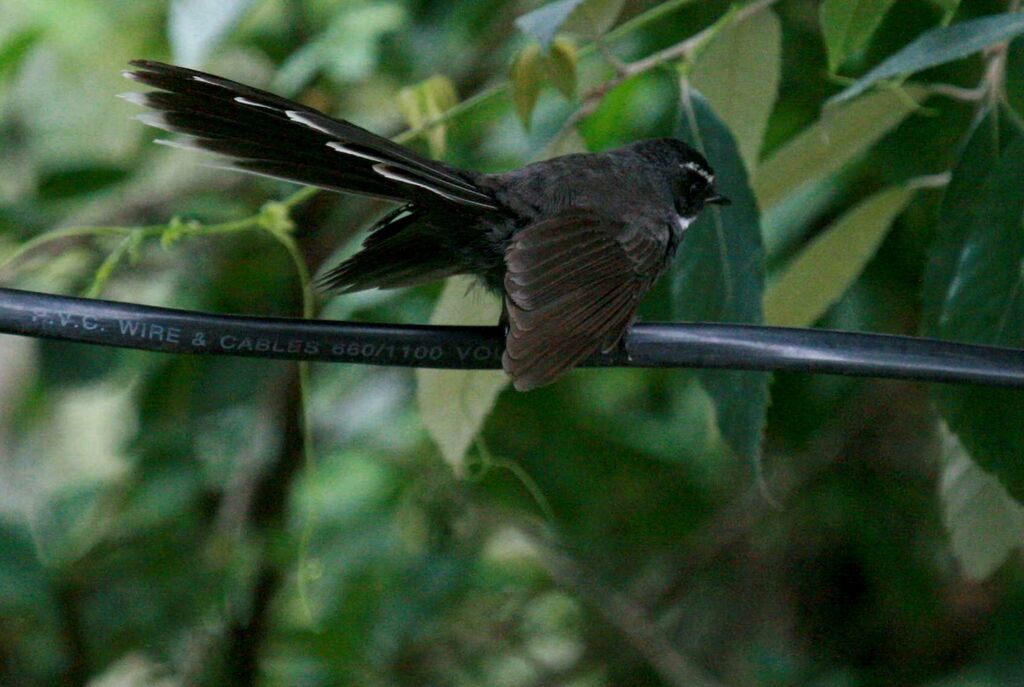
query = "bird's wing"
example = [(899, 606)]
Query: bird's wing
[(572, 287)]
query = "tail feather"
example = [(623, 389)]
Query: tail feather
[(266, 134), (394, 254)]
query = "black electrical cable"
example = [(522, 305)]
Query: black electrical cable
[(737, 347)]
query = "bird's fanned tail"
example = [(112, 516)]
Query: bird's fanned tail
[(265, 134), (268, 135)]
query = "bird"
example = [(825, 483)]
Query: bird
[(570, 244)]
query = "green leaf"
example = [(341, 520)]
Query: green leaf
[(739, 73), (949, 8), (593, 18), (426, 102), (194, 27), (589, 18), (719, 274), (24, 583), (347, 50), (838, 137), (527, 76), (561, 66), (980, 153), (79, 180), (974, 291), (985, 524), (938, 46), (565, 143), (826, 268), (15, 48), (847, 26), (455, 403)]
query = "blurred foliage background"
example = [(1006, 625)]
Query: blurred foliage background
[(163, 521)]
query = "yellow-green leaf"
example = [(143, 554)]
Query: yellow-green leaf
[(455, 403), (527, 77), (566, 143), (847, 26), (949, 8), (842, 133), (426, 102), (984, 522), (588, 18), (593, 18), (561, 66), (739, 75), (826, 268), (937, 46), (194, 27)]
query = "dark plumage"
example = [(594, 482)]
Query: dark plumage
[(572, 243)]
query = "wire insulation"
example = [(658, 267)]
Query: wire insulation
[(723, 346)]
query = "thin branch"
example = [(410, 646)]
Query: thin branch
[(593, 98), (623, 30), (611, 58), (246, 633), (967, 95), (670, 574), (940, 180), (68, 601), (690, 45), (620, 611)]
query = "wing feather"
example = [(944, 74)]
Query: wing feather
[(573, 284)]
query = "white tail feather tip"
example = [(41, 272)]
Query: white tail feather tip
[(343, 148), (180, 144), (134, 98), (303, 118), (252, 103), (155, 120), (210, 82)]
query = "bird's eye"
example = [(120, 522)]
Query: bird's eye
[(695, 184)]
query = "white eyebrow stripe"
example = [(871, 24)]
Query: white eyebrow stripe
[(694, 167)]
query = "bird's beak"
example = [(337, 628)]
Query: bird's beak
[(717, 199)]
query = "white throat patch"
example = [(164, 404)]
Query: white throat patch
[(683, 222)]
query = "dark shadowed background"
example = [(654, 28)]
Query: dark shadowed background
[(168, 521)]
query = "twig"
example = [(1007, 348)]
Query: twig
[(593, 98), (633, 68), (68, 598), (969, 95), (623, 613), (690, 45), (993, 83), (246, 633), (930, 180), (611, 58), (668, 575)]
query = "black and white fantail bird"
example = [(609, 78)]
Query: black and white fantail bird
[(571, 244)]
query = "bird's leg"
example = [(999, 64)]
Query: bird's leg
[(623, 344), (503, 321)]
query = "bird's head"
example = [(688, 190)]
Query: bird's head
[(691, 179)]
